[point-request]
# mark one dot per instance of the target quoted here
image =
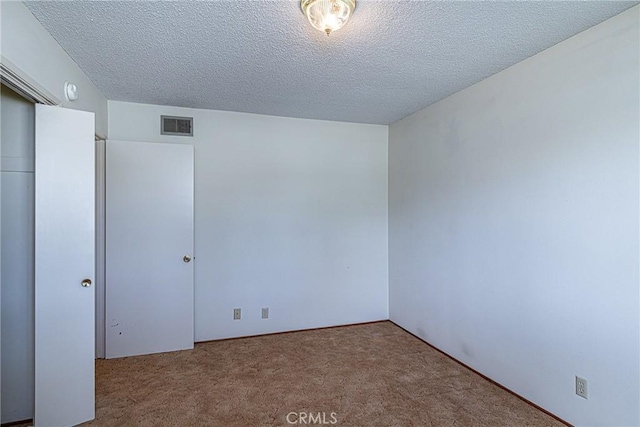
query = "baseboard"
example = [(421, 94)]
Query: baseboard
[(485, 377), (15, 423), (294, 331)]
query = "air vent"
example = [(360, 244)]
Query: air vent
[(171, 125)]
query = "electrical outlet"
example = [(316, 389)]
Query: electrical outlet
[(581, 387), (265, 312), (236, 314)]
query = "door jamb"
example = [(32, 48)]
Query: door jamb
[(100, 229)]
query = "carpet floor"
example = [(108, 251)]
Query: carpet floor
[(363, 375)]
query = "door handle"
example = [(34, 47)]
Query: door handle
[(186, 258), (86, 283)]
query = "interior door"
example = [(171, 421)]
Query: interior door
[(64, 267), (149, 248)]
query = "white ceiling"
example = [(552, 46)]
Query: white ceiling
[(391, 59)]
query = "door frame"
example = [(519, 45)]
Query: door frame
[(24, 85), (101, 300)]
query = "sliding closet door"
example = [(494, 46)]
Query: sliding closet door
[(64, 266), (149, 248), (17, 133)]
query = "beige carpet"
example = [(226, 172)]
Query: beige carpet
[(366, 375)]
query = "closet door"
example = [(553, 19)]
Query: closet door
[(17, 133), (64, 267), (149, 248)]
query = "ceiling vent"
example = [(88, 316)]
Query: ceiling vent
[(171, 125)]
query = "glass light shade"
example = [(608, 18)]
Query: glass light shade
[(328, 15)]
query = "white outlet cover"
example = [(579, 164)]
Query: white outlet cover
[(581, 387)]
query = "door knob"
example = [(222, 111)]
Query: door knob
[(86, 283), (186, 258)]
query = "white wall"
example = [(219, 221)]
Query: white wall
[(513, 225), (30, 49), (290, 214), (17, 256)]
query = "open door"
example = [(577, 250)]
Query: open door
[(64, 267)]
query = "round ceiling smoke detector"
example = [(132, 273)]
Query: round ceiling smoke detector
[(328, 15)]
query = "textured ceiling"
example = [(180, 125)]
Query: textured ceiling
[(391, 59)]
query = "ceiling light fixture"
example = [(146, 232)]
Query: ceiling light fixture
[(328, 15)]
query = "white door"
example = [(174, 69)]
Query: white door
[(64, 267), (149, 246)]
